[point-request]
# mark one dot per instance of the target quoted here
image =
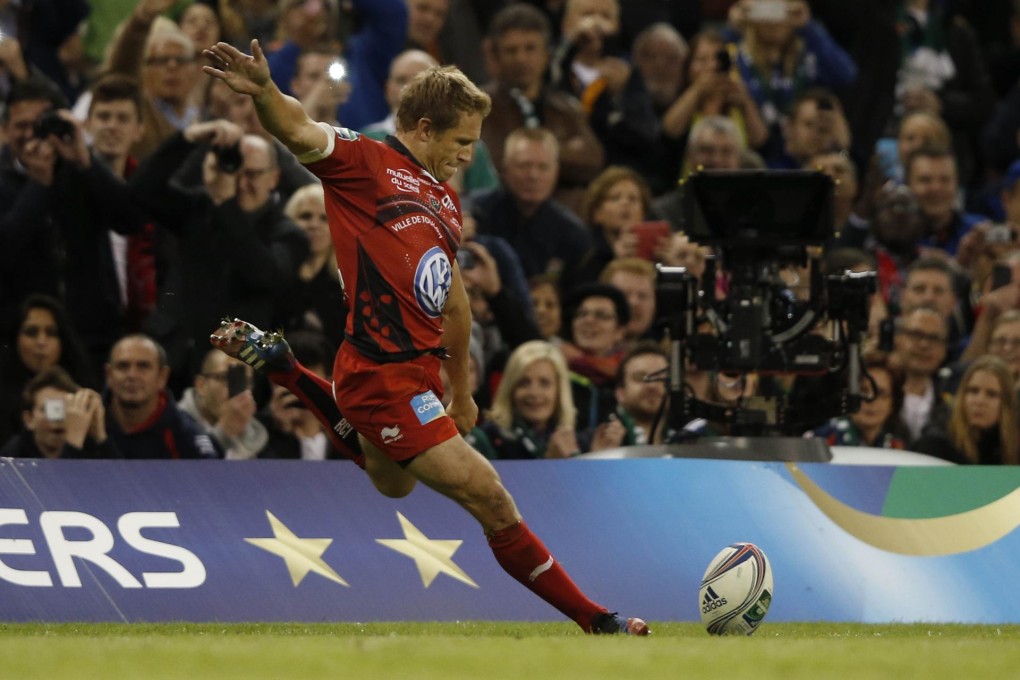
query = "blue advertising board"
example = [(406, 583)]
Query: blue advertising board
[(300, 541)]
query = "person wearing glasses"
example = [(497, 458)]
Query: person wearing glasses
[(597, 315), (224, 405), (157, 53), (236, 249), (920, 348)]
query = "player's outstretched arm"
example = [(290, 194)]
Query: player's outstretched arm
[(282, 116)]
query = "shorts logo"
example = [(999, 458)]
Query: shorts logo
[(427, 407), (390, 434), (347, 134), (432, 281), (404, 180)]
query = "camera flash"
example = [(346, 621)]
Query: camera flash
[(336, 71)]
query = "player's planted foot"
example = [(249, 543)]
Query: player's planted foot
[(611, 623), (259, 349)]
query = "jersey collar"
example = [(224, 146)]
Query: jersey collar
[(398, 146)]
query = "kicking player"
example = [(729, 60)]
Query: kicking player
[(396, 227)]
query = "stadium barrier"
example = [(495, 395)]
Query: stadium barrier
[(295, 541)]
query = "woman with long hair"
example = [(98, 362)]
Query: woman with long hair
[(43, 337), (615, 201), (983, 426), (714, 88), (533, 413)]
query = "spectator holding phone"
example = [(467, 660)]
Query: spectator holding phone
[(617, 201), (61, 420), (714, 88), (782, 52), (221, 401)]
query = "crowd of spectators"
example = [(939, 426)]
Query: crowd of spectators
[(141, 202)]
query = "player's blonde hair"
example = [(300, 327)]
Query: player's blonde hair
[(442, 94), (526, 354)]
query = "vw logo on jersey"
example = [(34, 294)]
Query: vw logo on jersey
[(432, 281)]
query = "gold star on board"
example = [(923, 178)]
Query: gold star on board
[(432, 556), (302, 555)]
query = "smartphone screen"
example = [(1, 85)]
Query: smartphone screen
[(1002, 275), (237, 380), (649, 235)]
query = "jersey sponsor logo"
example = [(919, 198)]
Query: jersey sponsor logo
[(404, 180), (427, 407), (72, 539), (448, 202), (412, 220), (432, 281), (434, 202), (391, 434), (343, 428), (347, 134)]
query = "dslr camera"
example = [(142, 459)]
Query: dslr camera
[(228, 158), (50, 123)]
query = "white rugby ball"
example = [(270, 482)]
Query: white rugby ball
[(736, 590)]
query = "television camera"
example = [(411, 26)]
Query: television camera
[(760, 223)]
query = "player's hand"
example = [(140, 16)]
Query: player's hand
[(247, 74), (464, 412)]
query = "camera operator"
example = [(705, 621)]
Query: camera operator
[(236, 250)]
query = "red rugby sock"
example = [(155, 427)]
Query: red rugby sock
[(523, 556), (317, 394)]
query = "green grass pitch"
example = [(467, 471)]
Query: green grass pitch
[(545, 651)]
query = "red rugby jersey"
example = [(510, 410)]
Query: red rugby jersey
[(396, 230)]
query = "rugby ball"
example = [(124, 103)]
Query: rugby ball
[(736, 590)]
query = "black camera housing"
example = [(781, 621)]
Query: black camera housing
[(50, 123), (228, 158)]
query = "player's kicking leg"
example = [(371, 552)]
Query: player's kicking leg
[(269, 353), (459, 472)]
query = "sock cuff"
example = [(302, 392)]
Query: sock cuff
[(502, 538)]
